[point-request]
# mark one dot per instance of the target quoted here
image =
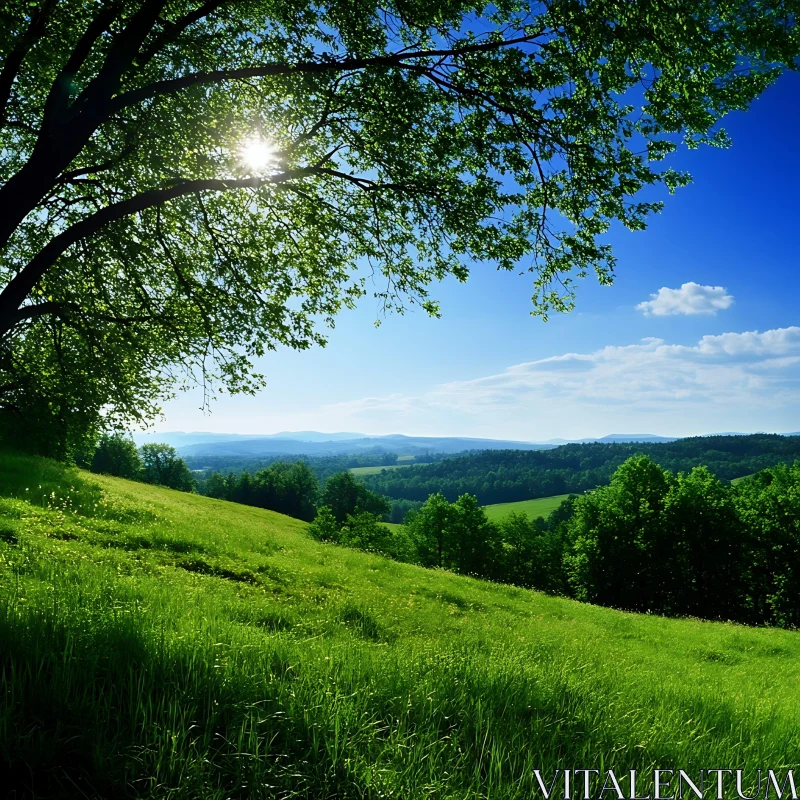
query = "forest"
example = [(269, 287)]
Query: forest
[(506, 476), (322, 466)]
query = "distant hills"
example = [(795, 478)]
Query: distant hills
[(180, 439), (394, 443), (618, 437), (317, 443)]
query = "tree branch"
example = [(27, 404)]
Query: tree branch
[(35, 30), (33, 311), (362, 183), (121, 56), (175, 29), (174, 85), (55, 150), (73, 175), (58, 97), (20, 286)]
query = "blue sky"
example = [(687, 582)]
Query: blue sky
[(489, 369)]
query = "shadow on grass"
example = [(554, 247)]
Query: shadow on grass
[(8, 535), (100, 706), (201, 567), (49, 484)]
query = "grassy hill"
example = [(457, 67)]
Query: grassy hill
[(159, 644), (541, 507)]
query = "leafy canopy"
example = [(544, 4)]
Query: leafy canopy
[(345, 496), (117, 455), (162, 466), (186, 184)]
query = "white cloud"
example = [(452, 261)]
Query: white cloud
[(691, 298), (744, 380)]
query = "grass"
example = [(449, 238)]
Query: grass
[(541, 507), (163, 645), (375, 470)]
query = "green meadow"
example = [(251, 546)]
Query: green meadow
[(541, 507), (160, 644), (376, 470)]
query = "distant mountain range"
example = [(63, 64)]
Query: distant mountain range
[(618, 437), (316, 443), (180, 439), (394, 443)]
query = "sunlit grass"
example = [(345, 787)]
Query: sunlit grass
[(159, 644)]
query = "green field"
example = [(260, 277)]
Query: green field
[(164, 645), (375, 470), (541, 507)]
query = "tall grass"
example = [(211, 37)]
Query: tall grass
[(157, 644)]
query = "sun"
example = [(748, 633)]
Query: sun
[(259, 155)]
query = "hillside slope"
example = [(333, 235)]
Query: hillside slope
[(158, 644)]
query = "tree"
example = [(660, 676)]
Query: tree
[(287, 488), (185, 185), (325, 526), (346, 496), (619, 545), (769, 505), (428, 527), (506, 476), (400, 508), (533, 550), (244, 491), (455, 536), (117, 455), (363, 531), (708, 562), (474, 541), (163, 467), (215, 486)]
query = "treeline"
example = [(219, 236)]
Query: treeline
[(650, 541), (322, 466), (293, 489), (505, 476), (154, 462), (290, 487)]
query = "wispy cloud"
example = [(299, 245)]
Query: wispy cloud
[(746, 372), (690, 299)]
